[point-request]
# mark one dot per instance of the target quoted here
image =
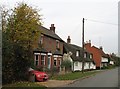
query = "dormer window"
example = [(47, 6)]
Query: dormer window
[(77, 53), (85, 55)]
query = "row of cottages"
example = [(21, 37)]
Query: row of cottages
[(101, 59), (49, 49), (74, 54)]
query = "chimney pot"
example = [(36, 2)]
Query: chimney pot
[(101, 48)]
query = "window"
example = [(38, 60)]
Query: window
[(42, 60), (36, 60), (85, 55), (57, 44), (91, 56), (55, 61), (41, 39), (76, 63), (77, 53)]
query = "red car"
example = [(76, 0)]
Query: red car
[(39, 76)]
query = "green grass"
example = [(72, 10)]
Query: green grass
[(23, 85), (73, 76)]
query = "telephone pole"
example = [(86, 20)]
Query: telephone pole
[(83, 46)]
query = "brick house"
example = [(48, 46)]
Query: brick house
[(100, 58), (48, 50)]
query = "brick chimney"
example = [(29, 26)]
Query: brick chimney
[(88, 43), (68, 40), (52, 28)]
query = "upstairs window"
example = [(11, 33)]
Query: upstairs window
[(57, 44), (91, 56), (41, 39)]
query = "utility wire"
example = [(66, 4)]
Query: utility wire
[(101, 22)]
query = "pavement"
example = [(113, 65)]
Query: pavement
[(55, 83)]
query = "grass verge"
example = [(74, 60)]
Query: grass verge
[(73, 76)]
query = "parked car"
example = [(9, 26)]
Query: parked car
[(38, 75)]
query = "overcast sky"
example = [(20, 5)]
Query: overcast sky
[(100, 24)]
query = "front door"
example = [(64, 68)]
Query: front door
[(49, 60)]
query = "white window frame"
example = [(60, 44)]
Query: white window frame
[(36, 60), (43, 60)]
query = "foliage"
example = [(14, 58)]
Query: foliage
[(29, 85), (19, 34), (66, 64), (23, 25)]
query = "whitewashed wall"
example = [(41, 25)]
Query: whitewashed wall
[(92, 66), (112, 62), (77, 67), (104, 59)]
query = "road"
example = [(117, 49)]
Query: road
[(107, 78)]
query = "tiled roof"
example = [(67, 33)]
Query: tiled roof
[(57, 52), (49, 33), (73, 48), (42, 50)]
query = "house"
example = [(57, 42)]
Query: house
[(104, 58), (48, 50), (100, 58), (112, 60), (74, 54)]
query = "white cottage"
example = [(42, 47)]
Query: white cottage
[(74, 54)]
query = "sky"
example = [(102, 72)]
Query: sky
[(101, 19)]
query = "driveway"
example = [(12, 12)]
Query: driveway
[(55, 83)]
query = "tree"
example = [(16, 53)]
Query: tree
[(19, 35), (24, 25), (66, 64)]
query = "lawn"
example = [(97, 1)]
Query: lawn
[(73, 76), (23, 85)]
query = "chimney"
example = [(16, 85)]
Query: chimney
[(88, 43), (52, 28), (68, 40), (101, 48)]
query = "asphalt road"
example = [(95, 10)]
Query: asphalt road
[(107, 78)]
